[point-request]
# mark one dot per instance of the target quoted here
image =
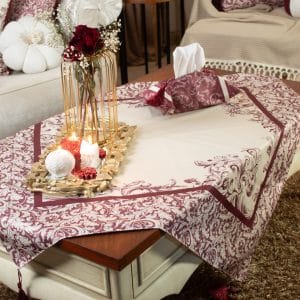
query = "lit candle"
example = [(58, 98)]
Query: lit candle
[(72, 144), (89, 154), (59, 163), (73, 137)]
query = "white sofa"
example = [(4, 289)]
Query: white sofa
[(26, 99), (259, 39)]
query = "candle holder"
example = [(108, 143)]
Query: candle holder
[(89, 92), (39, 179)]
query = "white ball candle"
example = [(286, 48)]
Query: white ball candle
[(89, 155), (59, 163)]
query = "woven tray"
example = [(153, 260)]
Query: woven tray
[(38, 179)]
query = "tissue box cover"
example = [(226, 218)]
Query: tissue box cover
[(192, 91)]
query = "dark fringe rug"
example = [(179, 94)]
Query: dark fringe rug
[(275, 268)]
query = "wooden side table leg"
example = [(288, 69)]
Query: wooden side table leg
[(122, 53), (144, 29), (158, 9), (168, 33)]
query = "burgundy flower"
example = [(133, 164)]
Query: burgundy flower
[(72, 54), (86, 40)]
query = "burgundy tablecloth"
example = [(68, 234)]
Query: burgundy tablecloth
[(210, 178)]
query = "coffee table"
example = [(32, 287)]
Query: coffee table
[(129, 265), (117, 250), (145, 264)]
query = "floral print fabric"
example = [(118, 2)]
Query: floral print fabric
[(197, 90), (4, 5), (227, 5), (192, 91), (209, 178), (20, 8)]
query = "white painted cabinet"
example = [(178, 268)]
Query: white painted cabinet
[(160, 270)]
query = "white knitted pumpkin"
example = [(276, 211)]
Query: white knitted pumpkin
[(31, 45), (91, 13)]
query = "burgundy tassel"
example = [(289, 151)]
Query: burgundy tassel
[(22, 295), (220, 293)]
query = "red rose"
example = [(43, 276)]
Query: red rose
[(86, 40)]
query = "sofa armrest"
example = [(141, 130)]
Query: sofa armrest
[(203, 9)]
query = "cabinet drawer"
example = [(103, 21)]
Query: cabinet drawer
[(154, 261), (76, 270)]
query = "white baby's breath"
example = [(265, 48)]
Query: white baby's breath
[(110, 35)]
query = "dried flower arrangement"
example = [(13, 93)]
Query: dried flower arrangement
[(108, 28)]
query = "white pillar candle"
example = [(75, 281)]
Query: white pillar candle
[(59, 163), (89, 154)]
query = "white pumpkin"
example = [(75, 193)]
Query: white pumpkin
[(31, 45), (91, 13), (95, 12)]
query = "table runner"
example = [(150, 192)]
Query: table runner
[(210, 178)]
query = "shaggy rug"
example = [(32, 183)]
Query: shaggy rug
[(274, 272)]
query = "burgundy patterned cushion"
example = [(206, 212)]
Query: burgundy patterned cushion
[(19, 8), (227, 5), (292, 7), (4, 6)]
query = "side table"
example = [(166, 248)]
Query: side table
[(162, 8)]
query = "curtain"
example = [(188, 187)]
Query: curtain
[(134, 35)]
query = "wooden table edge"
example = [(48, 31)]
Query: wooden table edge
[(146, 238), (116, 260)]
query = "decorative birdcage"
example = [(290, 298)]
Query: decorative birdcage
[(89, 92)]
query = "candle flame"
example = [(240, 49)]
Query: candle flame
[(90, 139), (73, 137)]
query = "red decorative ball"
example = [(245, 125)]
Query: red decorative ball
[(74, 148)]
